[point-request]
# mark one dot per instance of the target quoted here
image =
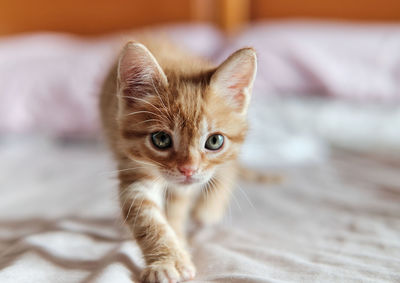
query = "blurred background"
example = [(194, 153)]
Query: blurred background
[(325, 112), (330, 70)]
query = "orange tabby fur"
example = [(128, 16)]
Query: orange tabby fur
[(189, 99)]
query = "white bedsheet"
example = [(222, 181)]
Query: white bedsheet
[(334, 221)]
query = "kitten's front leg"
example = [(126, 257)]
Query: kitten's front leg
[(176, 208), (166, 259)]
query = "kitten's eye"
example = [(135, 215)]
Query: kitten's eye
[(214, 142), (161, 140)]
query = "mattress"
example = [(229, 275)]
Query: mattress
[(333, 220)]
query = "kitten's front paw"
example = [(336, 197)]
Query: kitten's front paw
[(168, 272)]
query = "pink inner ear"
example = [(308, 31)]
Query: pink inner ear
[(240, 99), (241, 82), (233, 78)]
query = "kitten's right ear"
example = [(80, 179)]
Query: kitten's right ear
[(234, 78), (139, 73)]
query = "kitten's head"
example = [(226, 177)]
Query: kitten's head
[(181, 126)]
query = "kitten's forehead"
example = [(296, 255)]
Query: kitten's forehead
[(188, 105), (190, 121), (189, 125)]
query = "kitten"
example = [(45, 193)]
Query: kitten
[(175, 124)]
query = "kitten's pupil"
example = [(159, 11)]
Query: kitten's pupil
[(161, 140), (214, 142)]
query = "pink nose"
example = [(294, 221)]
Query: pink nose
[(187, 170)]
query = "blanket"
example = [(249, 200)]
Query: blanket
[(332, 220)]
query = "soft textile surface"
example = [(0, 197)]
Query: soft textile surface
[(296, 129), (353, 61), (333, 221)]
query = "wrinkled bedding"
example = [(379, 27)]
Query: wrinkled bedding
[(335, 217), (335, 220)]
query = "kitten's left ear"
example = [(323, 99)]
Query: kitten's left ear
[(234, 78), (139, 73)]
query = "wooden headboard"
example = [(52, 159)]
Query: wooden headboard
[(101, 16)]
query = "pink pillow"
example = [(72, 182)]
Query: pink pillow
[(352, 61)]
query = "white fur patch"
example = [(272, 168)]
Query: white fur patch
[(151, 190)]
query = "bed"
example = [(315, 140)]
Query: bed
[(331, 221), (334, 141)]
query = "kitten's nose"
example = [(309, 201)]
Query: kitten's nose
[(187, 170)]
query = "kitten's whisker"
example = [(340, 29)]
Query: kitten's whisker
[(160, 164), (122, 191), (228, 191), (144, 111), (144, 162), (245, 195), (162, 102), (241, 190), (137, 213), (120, 195), (229, 203), (230, 212), (142, 100), (121, 170), (169, 105), (150, 120), (129, 210), (207, 188)]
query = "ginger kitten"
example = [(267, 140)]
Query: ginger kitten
[(175, 124)]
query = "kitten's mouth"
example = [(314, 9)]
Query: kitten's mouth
[(184, 180), (189, 181)]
